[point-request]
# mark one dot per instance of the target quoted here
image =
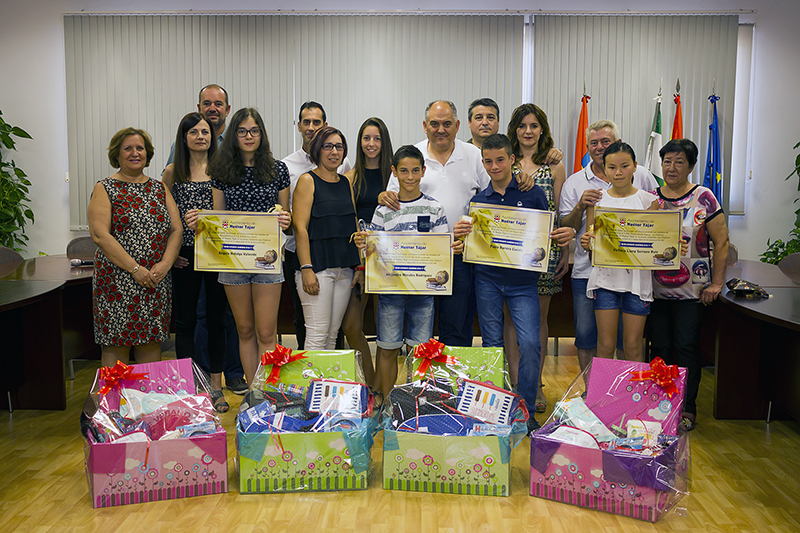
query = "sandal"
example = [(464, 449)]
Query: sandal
[(540, 406), (378, 400), (219, 406), (688, 421)]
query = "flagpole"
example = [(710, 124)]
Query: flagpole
[(677, 123), (652, 160), (713, 175), (581, 151)]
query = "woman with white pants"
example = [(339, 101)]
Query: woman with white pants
[(324, 219)]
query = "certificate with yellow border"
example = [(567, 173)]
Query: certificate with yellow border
[(237, 241), (409, 263), (648, 240), (511, 237)]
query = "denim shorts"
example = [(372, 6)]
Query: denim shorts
[(394, 310), (628, 302), (235, 278)]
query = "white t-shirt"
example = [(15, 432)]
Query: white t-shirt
[(633, 280), (298, 164), (454, 183), (571, 192)]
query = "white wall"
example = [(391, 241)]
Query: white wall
[(32, 95)]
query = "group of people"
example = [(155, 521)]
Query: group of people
[(144, 229)]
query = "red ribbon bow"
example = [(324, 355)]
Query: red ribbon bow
[(278, 357), (661, 374), (113, 374), (431, 352)]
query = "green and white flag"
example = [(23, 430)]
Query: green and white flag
[(652, 160)]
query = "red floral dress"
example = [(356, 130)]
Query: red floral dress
[(125, 313)]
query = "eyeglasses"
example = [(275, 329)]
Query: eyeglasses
[(330, 146), (242, 132)]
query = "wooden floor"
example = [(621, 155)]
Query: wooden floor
[(745, 477)]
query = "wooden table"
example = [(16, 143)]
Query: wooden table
[(32, 357), (757, 348), (78, 334), (764, 274)]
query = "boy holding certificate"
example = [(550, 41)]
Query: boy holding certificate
[(495, 286), (418, 213)]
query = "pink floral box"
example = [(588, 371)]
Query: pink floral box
[(125, 473), (619, 482), (121, 473)]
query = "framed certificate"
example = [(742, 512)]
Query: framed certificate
[(637, 239), (511, 237), (409, 263), (237, 241)]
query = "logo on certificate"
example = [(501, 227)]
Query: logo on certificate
[(666, 258), (534, 259), (438, 282), (267, 261)]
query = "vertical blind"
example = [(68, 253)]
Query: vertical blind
[(623, 60), (146, 71)]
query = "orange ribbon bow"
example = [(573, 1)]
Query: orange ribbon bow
[(278, 357), (661, 374), (431, 352), (113, 374)]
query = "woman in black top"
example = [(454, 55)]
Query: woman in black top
[(190, 185), (324, 219), (368, 178)]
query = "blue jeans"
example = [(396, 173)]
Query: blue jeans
[(626, 301), (457, 312), (412, 310), (585, 323), (523, 304)]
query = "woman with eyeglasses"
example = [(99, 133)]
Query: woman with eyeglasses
[(324, 220), (246, 177)]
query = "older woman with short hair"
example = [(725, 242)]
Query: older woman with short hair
[(135, 223), (677, 315)]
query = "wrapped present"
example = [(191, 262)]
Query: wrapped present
[(616, 481), (452, 429), (307, 424), (619, 391), (152, 434), (604, 447), (451, 362)]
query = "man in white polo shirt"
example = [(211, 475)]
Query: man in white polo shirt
[(580, 191), (312, 117), (454, 174)]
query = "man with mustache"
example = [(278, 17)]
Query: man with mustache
[(454, 174)]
